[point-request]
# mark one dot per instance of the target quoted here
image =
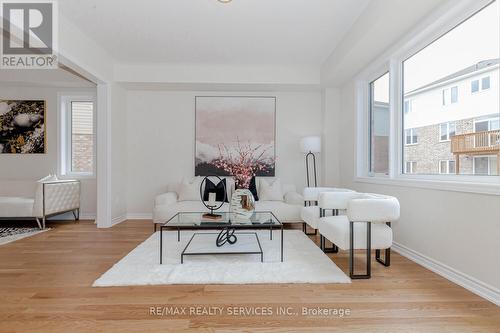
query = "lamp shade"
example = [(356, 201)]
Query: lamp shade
[(310, 144)]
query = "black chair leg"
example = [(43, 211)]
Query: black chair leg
[(368, 252), (387, 261), (304, 229), (387, 257), (322, 245)]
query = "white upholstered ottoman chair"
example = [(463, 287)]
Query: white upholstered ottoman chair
[(366, 226), (310, 213)]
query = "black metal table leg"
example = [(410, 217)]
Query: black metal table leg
[(178, 234), (281, 242), (271, 233), (161, 244)]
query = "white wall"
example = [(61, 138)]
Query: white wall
[(119, 139), (19, 172), (160, 139), (459, 230)]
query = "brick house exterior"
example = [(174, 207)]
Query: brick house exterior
[(464, 99), (429, 150)]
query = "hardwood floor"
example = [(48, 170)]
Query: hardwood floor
[(46, 287)]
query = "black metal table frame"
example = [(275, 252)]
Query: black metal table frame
[(220, 226), (222, 253)]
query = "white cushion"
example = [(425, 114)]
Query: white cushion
[(168, 198), (336, 199), (310, 215), (373, 208), (336, 230), (286, 213), (270, 192), (189, 189), (312, 193), (16, 207)]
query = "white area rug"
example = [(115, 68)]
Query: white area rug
[(9, 235), (303, 262)]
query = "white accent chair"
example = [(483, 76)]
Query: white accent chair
[(310, 213), (347, 232), (51, 198)]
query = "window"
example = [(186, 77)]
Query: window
[(454, 94), (450, 95), (447, 167), (446, 131), (78, 136), (407, 106), (446, 96), (411, 136), (489, 136), (435, 76), (483, 125), (474, 86), (485, 165), (379, 125), (485, 83), (411, 167)]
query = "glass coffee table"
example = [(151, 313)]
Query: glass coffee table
[(226, 236)]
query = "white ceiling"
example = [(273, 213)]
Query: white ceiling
[(284, 32)]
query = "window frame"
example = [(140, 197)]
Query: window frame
[(410, 106), (453, 88), (444, 19), (370, 117), (447, 166), (65, 135), (411, 163), (489, 163), (489, 82), (478, 86), (448, 126)]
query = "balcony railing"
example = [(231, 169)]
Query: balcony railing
[(476, 143)]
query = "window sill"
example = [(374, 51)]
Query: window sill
[(77, 176), (465, 186)]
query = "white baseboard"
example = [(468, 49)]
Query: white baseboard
[(69, 216), (118, 219), (474, 285), (139, 216)]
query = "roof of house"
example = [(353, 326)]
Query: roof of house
[(474, 68)]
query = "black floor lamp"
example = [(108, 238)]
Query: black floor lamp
[(310, 145)]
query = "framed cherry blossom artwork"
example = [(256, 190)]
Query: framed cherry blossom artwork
[(235, 136)]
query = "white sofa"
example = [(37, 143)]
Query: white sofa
[(287, 210), (50, 198)]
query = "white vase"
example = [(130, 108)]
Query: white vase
[(242, 204)]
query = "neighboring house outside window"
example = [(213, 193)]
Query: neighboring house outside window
[(78, 136)]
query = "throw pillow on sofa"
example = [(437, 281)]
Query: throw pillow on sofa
[(189, 189), (270, 192), (220, 190)]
